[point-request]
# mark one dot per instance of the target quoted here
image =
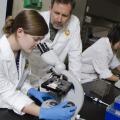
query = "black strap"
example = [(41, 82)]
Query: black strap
[(17, 61), (53, 32)]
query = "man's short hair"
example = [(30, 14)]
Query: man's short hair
[(72, 2)]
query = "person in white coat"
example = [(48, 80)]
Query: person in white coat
[(22, 35), (100, 58), (64, 34)]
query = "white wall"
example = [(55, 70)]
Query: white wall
[(3, 5), (79, 10), (18, 6)]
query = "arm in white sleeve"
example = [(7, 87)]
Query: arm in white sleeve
[(101, 66), (14, 99), (115, 62), (75, 52)]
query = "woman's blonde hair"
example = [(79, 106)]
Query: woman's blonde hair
[(31, 22)]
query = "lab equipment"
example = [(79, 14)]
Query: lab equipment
[(74, 92), (35, 4), (50, 57), (58, 85), (112, 113), (41, 96), (99, 101)]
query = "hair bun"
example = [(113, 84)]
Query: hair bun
[(8, 25)]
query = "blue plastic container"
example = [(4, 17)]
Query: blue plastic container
[(117, 103), (112, 113)]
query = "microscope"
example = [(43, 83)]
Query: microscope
[(62, 83)]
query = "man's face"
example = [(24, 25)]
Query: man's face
[(60, 14)]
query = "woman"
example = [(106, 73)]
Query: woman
[(100, 58), (22, 35)]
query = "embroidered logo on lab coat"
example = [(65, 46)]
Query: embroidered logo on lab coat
[(67, 32)]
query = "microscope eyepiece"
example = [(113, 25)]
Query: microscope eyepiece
[(43, 47)]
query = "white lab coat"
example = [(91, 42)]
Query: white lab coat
[(67, 41), (97, 61), (10, 97)]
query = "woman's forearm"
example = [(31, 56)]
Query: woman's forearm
[(113, 78), (31, 109)]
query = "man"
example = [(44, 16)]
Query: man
[(64, 33)]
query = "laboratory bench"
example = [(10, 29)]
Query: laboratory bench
[(93, 110)]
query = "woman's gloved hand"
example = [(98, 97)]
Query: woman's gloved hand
[(58, 112), (41, 96)]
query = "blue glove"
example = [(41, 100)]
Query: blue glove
[(58, 112), (41, 96)]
